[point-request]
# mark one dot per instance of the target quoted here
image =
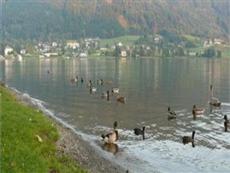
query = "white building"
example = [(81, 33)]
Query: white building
[(23, 51), (54, 44), (83, 55), (123, 53), (73, 44), (218, 41), (8, 50)]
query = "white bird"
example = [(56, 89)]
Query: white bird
[(115, 90)]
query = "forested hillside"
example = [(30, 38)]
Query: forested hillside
[(69, 19)]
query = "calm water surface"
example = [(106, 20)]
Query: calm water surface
[(150, 85)]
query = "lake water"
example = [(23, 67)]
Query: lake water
[(150, 85)]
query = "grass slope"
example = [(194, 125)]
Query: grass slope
[(21, 150)]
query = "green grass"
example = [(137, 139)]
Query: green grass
[(127, 40), (20, 150)]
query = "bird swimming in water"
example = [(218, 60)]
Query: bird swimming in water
[(171, 114), (226, 123), (138, 131), (188, 139), (111, 137)]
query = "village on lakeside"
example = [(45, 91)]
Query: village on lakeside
[(124, 46)]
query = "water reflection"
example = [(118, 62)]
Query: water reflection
[(110, 147), (149, 84)]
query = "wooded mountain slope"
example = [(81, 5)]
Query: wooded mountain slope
[(69, 19)]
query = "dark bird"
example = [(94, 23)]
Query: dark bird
[(226, 123), (82, 80), (121, 99), (138, 131), (171, 114), (188, 139)]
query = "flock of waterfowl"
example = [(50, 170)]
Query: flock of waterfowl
[(93, 89), (113, 136)]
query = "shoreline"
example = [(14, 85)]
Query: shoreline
[(71, 143)]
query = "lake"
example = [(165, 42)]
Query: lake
[(150, 85)]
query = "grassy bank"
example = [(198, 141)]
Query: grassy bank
[(28, 140), (126, 40)]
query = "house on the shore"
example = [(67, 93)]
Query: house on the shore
[(123, 53), (54, 44), (218, 41), (83, 55), (50, 54), (8, 50), (72, 44), (23, 51)]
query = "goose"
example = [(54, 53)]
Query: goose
[(111, 137), (115, 90), (92, 89), (188, 139), (226, 123), (213, 100), (197, 111), (138, 131), (101, 82), (82, 80), (89, 83), (105, 95), (172, 114), (121, 99), (73, 80)]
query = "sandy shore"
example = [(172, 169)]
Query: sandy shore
[(73, 145)]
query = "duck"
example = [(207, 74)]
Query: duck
[(82, 80), (121, 99), (138, 131), (172, 114), (89, 83), (213, 100), (111, 137), (188, 139), (115, 90), (105, 95), (101, 82), (226, 123), (197, 111), (74, 80), (92, 89)]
